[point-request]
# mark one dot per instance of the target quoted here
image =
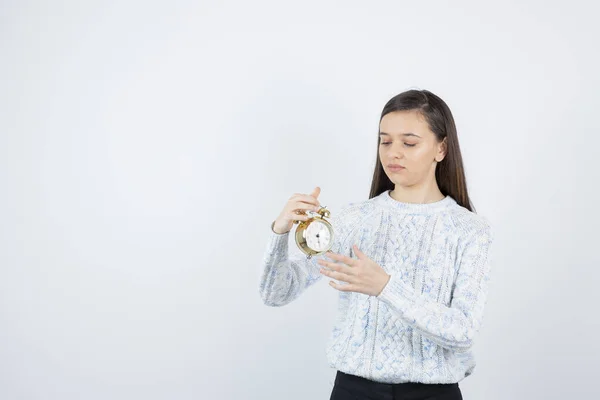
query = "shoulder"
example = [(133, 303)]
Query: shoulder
[(469, 223), (361, 207), (351, 214)]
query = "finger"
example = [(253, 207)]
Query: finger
[(307, 199), (342, 258), (337, 275), (358, 253), (337, 267), (298, 217), (315, 193), (342, 288), (300, 205)]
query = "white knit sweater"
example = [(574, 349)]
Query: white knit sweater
[(422, 325)]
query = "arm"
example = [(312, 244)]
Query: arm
[(451, 327), (284, 278)]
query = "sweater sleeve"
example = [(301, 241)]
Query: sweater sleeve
[(283, 277), (452, 327)]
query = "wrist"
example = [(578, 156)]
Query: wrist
[(274, 230), (386, 281)]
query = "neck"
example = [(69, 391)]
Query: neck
[(418, 193)]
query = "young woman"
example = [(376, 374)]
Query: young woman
[(412, 263)]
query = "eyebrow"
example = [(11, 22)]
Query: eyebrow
[(402, 134)]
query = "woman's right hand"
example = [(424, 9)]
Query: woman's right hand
[(295, 210)]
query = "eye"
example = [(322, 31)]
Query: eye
[(406, 144)]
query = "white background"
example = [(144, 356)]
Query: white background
[(145, 148)]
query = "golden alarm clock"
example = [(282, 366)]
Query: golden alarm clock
[(315, 235)]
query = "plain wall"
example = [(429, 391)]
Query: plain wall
[(145, 148)]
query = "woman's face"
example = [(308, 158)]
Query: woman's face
[(406, 140)]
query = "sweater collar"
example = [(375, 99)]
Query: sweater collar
[(417, 208)]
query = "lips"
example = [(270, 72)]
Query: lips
[(395, 167)]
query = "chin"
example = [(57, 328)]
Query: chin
[(396, 179)]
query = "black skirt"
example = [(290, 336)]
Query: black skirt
[(352, 387)]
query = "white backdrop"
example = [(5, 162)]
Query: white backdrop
[(145, 148)]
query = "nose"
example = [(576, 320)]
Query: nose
[(396, 151)]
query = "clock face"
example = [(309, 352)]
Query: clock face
[(317, 236)]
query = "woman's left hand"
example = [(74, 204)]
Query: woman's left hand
[(362, 275)]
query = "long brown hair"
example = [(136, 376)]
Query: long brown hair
[(449, 173)]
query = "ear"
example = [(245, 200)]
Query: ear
[(442, 150)]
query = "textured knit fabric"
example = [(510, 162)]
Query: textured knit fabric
[(422, 326)]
